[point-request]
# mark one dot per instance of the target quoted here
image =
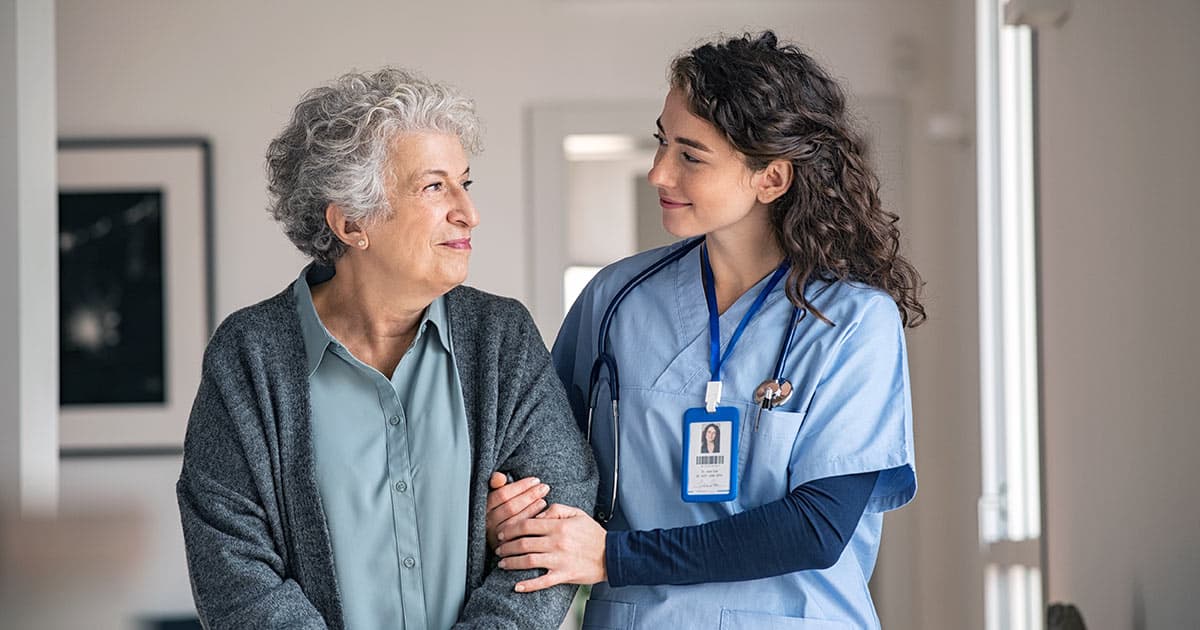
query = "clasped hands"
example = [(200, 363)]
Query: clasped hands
[(529, 534)]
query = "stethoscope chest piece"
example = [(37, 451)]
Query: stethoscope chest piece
[(770, 394)]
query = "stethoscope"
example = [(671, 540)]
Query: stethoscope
[(771, 393)]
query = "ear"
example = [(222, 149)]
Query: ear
[(773, 180), (347, 231)]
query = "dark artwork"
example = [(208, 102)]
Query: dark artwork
[(182, 623), (110, 299)]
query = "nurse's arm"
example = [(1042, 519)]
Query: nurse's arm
[(807, 529), (564, 540)]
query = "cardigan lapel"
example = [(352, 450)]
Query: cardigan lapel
[(306, 532)]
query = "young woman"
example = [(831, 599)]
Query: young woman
[(779, 319), (712, 439)]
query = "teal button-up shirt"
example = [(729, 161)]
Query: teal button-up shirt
[(393, 467)]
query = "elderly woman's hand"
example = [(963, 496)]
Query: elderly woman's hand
[(565, 540), (511, 502)]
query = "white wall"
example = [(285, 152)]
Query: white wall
[(601, 225), (1120, 154), (232, 71), (145, 488)]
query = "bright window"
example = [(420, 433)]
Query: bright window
[(575, 278), (1009, 506)]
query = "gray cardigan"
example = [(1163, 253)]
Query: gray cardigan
[(258, 548)]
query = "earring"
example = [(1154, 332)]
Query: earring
[(362, 243)]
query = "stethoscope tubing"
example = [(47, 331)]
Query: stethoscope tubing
[(606, 361), (785, 347)]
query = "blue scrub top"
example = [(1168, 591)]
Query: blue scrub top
[(850, 413)]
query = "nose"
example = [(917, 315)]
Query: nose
[(463, 212), (660, 175)]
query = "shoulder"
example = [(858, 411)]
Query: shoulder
[(481, 310), (469, 298), (256, 329), (851, 298), (856, 309), (483, 323), (493, 333), (253, 362)]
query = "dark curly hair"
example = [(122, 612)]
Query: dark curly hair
[(773, 101)]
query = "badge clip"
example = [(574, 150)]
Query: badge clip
[(712, 396)]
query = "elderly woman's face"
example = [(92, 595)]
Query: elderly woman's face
[(427, 241)]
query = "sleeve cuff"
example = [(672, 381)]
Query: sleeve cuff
[(615, 543)]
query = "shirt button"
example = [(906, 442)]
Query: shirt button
[(401, 486), (394, 420), (409, 562)]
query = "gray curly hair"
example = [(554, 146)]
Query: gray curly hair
[(335, 149)]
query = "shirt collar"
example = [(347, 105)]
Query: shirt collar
[(317, 338), (436, 314)]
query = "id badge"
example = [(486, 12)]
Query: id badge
[(710, 451)]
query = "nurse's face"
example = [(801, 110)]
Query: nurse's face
[(711, 434), (427, 240), (704, 185)]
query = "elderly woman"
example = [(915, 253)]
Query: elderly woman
[(338, 453)]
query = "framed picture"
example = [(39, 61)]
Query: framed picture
[(135, 290)]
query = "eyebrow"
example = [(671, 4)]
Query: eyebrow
[(440, 173), (695, 144)]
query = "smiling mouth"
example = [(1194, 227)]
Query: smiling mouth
[(462, 243), (670, 203)]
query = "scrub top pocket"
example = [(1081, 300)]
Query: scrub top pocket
[(746, 620), (602, 614), (781, 427), (765, 456)]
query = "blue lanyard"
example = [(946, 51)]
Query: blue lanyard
[(716, 359)]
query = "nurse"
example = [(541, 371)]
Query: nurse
[(778, 321)]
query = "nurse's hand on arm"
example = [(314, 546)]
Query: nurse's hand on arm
[(807, 529), (512, 502), (564, 540)]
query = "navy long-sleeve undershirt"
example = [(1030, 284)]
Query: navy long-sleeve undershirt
[(807, 529)]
